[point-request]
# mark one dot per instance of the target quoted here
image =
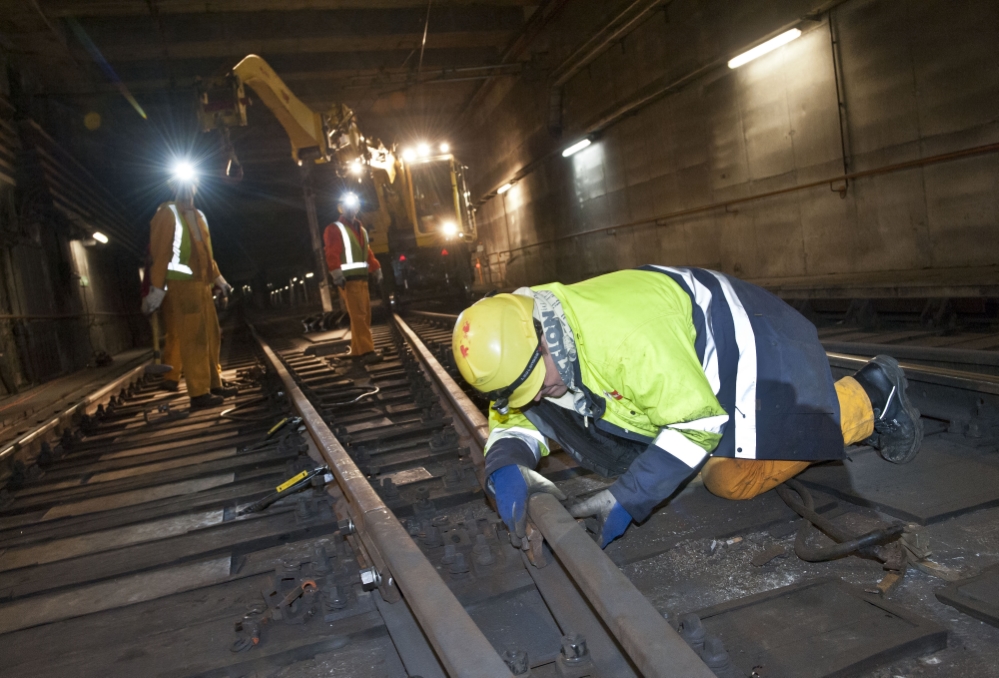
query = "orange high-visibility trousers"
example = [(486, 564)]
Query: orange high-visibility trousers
[(190, 319), (355, 296), (171, 346), (747, 478)]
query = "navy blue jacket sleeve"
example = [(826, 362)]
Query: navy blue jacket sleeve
[(652, 477), (506, 451)]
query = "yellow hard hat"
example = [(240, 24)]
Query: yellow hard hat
[(498, 349)]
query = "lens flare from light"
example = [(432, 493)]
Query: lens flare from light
[(184, 172), (765, 48), (350, 201)]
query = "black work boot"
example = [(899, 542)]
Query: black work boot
[(205, 401), (169, 385), (225, 391), (898, 431), (370, 358)]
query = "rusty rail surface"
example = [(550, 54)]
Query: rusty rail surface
[(650, 642), (459, 643)]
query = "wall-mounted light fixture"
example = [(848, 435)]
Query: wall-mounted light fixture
[(765, 48), (100, 237), (504, 188), (576, 147)]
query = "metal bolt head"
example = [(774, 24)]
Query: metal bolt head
[(574, 647), (346, 527), (370, 578), (516, 661)]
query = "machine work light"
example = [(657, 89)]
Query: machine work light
[(100, 237), (765, 48), (504, 188)]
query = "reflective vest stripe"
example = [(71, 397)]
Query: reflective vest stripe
[(348, 263), (176, 265)]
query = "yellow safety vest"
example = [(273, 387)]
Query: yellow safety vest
[(355, 259)]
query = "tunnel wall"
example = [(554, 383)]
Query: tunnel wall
[(915, 80)]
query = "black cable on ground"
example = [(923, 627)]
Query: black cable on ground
[(846, 544)]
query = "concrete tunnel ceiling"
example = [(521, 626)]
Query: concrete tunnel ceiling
[(365, 54)]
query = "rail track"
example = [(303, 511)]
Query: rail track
[(128, 549)]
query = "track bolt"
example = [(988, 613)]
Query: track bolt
[(346, 527), (516, 661), (370, 578)]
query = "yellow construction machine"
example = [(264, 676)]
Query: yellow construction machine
[(415, 202)]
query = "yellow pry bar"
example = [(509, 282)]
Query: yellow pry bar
[(291, 481)]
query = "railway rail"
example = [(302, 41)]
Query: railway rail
[(135, 540)]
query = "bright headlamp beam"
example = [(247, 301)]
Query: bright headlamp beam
[(184, 172), (576, 147), (350, 201), (100, 237), (450, 229), (765, 48)]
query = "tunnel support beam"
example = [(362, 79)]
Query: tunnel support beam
[(309, 195)]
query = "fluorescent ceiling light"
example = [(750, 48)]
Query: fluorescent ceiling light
[(100, 237), (768, 46), (504, 188), (576, 147)]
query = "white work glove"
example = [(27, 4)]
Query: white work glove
[(223, 287), (613, 518), (338, 278), (379, 276), (152, 301)]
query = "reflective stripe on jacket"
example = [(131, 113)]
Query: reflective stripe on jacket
[(354, 263), (178, 268)]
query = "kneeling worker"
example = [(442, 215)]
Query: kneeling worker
[(350, 260), (652, 375), (182, 272)]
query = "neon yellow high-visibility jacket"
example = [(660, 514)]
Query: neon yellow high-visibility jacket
[(672, 362)]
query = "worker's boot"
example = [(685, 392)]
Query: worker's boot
[(898, 431), (370, 358), (206, 400), (169, 385), (224, 391)]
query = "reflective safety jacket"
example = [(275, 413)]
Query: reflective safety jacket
[(677, 364), (176, 251), (347, 248)]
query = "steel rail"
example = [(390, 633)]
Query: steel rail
[(82, 406), (653, 645), (459, 643)]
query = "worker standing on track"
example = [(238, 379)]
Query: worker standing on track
[(652, 375), (349, 259), (182, 273)]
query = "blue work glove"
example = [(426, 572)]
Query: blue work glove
[(614, 518), (512, 486)]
